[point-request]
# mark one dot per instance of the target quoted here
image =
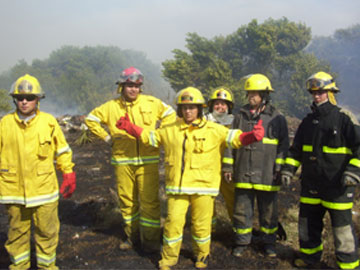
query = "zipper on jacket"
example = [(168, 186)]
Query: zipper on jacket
[(182, 161)]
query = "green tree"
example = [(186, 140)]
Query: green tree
[(5, 100), (274, 48), (75, 80)]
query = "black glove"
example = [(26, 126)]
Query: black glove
[(348, 180), (277, 178), (286, 178)]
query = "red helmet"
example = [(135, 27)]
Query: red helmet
[(131, 74)]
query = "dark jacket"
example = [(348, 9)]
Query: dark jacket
[(327, 145), (255, 165)]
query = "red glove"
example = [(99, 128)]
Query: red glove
[(124, 124), (255, 135), (68, 185)]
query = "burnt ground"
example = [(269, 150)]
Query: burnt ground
[(91, 227)]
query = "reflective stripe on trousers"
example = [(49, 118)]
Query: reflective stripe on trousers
[(46, 235)]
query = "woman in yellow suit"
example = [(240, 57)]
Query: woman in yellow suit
[(193, 162)]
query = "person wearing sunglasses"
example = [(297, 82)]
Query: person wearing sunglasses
[(136, 164), (31, 142), (327, 147)]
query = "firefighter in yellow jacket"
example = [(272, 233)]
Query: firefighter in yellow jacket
[(193, 148), (30, 141), (136, 164)]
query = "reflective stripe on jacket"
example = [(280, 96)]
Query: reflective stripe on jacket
[(193, 154), (327, 145), (145, 112), (28, 151), (254, 165)]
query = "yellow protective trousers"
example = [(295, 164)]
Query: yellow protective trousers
[(138, 190), (46, 235), (201, 214), (227, 190)]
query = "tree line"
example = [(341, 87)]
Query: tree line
[(76, 80)]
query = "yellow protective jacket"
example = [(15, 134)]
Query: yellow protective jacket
[(145, 112), (193, 154), (27, 154)]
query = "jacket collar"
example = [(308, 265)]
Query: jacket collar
[(198, 123), (125, 103), (322, 109), (28, 120), (269, 109)]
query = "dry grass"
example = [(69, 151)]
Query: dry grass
[(85, 137)]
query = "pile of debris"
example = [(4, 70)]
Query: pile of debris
[(72, 123)]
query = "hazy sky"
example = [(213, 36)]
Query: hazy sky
[(31, 29)]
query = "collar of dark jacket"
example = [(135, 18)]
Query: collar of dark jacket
[(269, 109), (322, 109)]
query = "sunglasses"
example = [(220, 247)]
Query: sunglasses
[(27, 97), (317, 92)]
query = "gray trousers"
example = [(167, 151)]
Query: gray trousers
[(244, 213)]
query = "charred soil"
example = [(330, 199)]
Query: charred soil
[(91, 225)]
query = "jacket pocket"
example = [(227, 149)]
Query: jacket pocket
[(199, 143), (44, 145), (333, 137), (203, 170), (44, 169), (45, 179), (8, 173), (146, 115)]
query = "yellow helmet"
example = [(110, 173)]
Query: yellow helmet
[(190, 95), (221, 93), (26, 85), (321, 81), (257, 82)]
